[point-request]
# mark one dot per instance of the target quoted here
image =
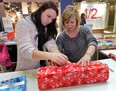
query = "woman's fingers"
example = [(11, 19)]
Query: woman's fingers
[(83, 62), (63, 60), (59, 59)]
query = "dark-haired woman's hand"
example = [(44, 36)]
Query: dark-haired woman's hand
[(59, 58)]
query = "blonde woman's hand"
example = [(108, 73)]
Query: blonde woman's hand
[(85, 59), (59, 58)]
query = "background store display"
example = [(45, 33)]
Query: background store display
[(94, 15), (6, 24)]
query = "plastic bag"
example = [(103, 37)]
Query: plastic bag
[(4, 55)]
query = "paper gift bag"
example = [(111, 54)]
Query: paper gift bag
[(71, 75)]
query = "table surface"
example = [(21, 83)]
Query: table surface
[(32, 85), (11, 43), (106, 52)]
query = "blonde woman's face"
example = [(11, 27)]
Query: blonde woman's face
[(70, 24), (48, 16)]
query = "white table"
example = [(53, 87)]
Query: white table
[(31, 79), (11, 43), (106, 52)]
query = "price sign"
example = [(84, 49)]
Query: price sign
[(7, 23), (95, 14)]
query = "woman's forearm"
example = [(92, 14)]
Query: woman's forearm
[(40, 55), (54, 49), (91, 50)]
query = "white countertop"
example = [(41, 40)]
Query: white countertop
[(32, 85), (11, 43)]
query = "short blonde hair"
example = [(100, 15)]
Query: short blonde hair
[(69, 11)]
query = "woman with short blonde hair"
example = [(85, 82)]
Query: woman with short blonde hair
[(76, 41)]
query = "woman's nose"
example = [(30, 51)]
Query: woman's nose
[(69, 25), (49, 21)]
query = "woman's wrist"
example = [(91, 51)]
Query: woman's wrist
[(88, 53)]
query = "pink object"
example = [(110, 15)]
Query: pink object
[(4, 55)]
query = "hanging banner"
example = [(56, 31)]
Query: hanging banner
[(95, 14)]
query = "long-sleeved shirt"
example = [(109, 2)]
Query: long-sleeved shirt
[(76, 47), (26, 43)]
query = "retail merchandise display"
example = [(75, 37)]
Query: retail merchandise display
[(72, 74), (11, 35), (107, 43)]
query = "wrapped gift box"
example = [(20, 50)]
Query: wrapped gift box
[(71, 74)]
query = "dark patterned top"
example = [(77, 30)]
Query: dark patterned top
[(76, 47)]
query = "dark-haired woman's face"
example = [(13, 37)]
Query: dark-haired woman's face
[(48, 16)]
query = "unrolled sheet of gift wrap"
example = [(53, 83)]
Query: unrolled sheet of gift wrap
[(107, 43), (13, 84), (72, 74)]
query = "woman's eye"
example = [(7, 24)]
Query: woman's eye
[(66, 22), (48, 16)]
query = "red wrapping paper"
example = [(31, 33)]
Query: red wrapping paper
[(113, 56), (71, 75)]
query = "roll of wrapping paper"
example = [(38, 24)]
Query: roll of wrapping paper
[(72, 74), (113, 56)]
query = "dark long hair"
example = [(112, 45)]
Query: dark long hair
[(51, 32), (83, 16)]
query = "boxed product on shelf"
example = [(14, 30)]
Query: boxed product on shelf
[(71, 75)]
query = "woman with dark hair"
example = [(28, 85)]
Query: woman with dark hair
[(35, 35), (83, 20)]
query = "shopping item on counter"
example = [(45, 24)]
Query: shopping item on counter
[(13, 84), (11, 35), (71, 75)]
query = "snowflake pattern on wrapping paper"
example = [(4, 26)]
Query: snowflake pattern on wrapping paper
[(71, 75)]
